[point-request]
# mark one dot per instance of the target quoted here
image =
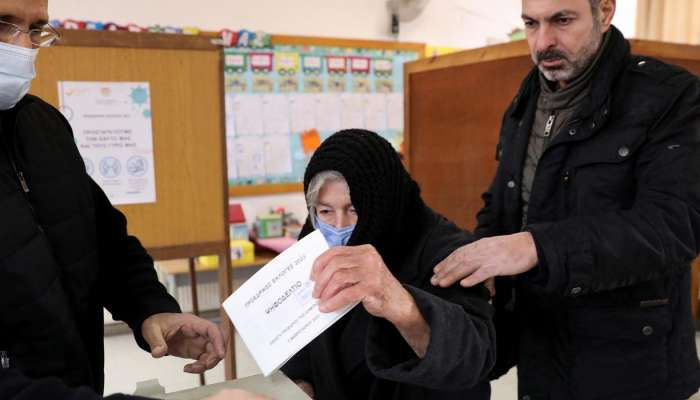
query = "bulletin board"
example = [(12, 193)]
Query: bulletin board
[(184, 74), (282, 102)]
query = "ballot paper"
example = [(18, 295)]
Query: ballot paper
[(274, 312)]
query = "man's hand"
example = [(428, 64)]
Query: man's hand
[(478, 261), (237, 394), (185, 336)]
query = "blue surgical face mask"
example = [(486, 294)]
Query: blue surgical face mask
[(335, 236), (16, 73)]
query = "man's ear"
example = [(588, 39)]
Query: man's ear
[(606, 12)]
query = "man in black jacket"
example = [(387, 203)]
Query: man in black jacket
[(593, 217), (64, 250)]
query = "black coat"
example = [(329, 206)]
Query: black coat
[(367, 356), (615, 214), (64, 255)]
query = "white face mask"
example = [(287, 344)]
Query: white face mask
[(16, 73)]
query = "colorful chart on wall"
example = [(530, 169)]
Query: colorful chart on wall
[(281, 103)]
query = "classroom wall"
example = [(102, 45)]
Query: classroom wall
[(449, 23)]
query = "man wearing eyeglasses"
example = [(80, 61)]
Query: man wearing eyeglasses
[(64, 250)]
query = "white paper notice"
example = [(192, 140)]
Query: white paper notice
[(328, 112), (111, 122), (274, 311), (395, 111), (375, 111), (230, 121), (231, 156), (303, 110), (248, 156), (353, 112), (248, 114), (278, 155), (276, 114)]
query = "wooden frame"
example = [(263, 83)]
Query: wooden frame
[(131, 40), (492, 53), (266, 189), (190, 217)]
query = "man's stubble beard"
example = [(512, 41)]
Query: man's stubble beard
[(571, 68)]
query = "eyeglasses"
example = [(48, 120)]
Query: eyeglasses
[(40, 37)]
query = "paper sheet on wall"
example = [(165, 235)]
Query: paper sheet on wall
[(248, 115), (276, 114), (395, 111), (328, 108), (111, 123), (353, 111), (375, 112), (303, 112), (248, 155), (274, 312), (231, 157), (278, 155), (230, 121)]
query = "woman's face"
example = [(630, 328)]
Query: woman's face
[(334, 205)]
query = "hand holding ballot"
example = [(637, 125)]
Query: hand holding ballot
[(274, 311), (348, 275)]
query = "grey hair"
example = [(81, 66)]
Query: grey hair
[(315, 187)]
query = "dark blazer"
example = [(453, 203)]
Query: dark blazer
[(615, 214)]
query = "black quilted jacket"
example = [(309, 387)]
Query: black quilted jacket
[(615, 214), (64, 254)]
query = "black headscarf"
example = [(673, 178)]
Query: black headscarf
[(385, 197)]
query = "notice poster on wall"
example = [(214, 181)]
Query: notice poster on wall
[(111, 123)]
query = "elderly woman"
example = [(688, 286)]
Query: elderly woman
[(408, 339)]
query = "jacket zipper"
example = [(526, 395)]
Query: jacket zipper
[(6, 144), (24, 186), (23, 182), (549, 125)]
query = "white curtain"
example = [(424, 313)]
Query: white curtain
[(669, 20)]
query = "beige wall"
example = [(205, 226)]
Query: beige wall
[(448, 23)]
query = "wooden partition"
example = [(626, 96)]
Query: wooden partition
[(454, 106), (185, 74)]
